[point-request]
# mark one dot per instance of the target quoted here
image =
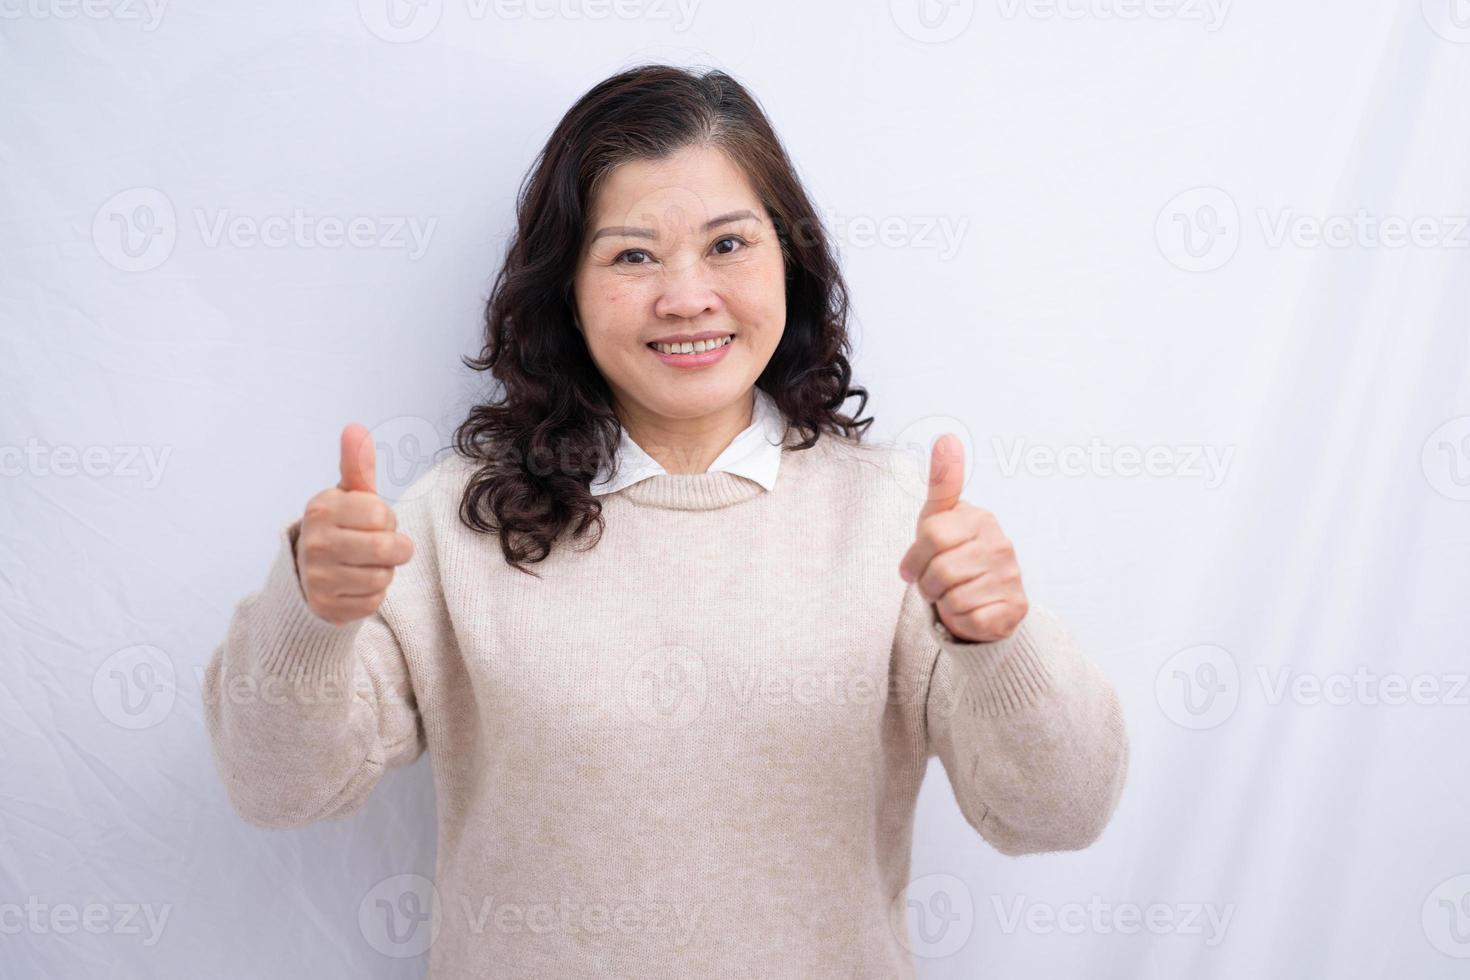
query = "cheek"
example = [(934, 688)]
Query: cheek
[(609, 302), (624, 293), (613, 312), (758, 293)]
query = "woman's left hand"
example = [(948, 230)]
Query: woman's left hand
[(964, 564)]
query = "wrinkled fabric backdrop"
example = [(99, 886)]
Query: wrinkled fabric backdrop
[(1188, 277)]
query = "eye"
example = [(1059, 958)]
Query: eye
[(623, 257), (731, 238)]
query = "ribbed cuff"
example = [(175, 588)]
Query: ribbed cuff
[(1004, 675), (296, 643)]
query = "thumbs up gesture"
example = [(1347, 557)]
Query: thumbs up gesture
[(960, 559), (349, 542)]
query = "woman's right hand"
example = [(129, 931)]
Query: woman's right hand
[(349, 543)]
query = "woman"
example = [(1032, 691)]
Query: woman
[(679, 644)]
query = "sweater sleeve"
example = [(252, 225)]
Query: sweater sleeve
[(1030, 732), (303, 715)]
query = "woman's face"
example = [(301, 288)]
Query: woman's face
[(675, 248)]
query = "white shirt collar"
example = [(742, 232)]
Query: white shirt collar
[(755, 453)]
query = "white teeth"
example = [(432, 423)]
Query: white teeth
[(696, 347)]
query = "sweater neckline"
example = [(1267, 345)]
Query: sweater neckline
[(714, 489), (693, 491)]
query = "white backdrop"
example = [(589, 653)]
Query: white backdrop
[(1190, 277)]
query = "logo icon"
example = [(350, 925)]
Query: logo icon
[(135, 230), (932, 21), (135, 687), (1446, 458), (1450, 19), (397, 915), (1199, 687), (1198, 230), (400, 21), (667, 687), (1446, 917), (934, 916)]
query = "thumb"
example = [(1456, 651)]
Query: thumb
[(359, 459), (946, 475)]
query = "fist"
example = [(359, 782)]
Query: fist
[(349, 542), (960, 559)]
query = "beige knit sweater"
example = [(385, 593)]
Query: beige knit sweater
[(692, 751)]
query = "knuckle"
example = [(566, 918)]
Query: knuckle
[(382, 549), (958, 533), (991, 623)]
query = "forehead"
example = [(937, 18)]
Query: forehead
[(688, 187)]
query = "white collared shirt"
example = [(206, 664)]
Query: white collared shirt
[(755, 453)]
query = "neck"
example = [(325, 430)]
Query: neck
[(687, 445)]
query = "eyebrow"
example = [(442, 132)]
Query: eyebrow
[(627, 232)]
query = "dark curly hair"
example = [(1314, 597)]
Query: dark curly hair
[(537, 449)]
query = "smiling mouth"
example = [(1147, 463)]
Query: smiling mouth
[(692, 347)]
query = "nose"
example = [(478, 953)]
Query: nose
[(686, 292)]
